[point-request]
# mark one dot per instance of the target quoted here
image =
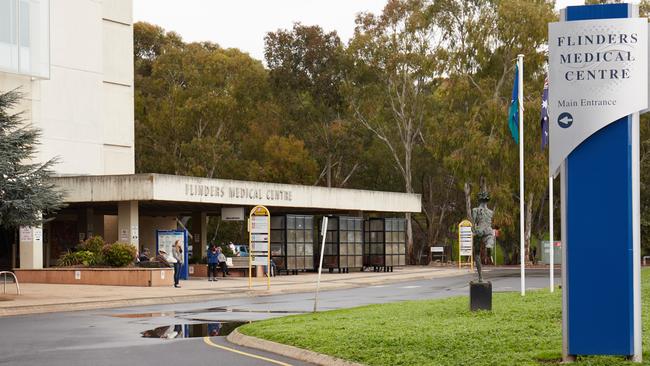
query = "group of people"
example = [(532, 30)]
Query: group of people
[(216, 259), (175, 259)]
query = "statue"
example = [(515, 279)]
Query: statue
[(483, 233)]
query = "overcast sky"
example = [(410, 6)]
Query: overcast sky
[(243, 23)]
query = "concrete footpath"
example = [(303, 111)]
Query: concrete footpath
[(46, 298)]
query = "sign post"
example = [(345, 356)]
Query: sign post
[(320, 263), (259, 226), (465, 242), (598, 84)]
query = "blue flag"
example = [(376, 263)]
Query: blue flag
[(513, 112), (544, 117)]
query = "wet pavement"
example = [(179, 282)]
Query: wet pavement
[(173, 334)]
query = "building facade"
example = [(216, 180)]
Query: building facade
[(73, 60)]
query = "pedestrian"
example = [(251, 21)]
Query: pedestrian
[(164, 258), (222, 262), (213, 262), (233, 249), (144, 256), (177, 252)]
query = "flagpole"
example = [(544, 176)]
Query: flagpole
[(550, 232), (520, 62)]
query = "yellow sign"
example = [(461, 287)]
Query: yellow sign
[(259, 240), (465, 243)]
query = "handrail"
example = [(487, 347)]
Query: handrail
[(5, 273)]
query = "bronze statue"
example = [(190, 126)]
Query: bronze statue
[(483, 233)]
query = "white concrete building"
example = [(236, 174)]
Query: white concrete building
[(73, 59)]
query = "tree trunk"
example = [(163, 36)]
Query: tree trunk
[(329, 170), (529, 224), (468, 202)]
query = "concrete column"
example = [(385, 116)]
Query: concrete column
[(127, 223), (200, 233), (31, 247), (86, 223)]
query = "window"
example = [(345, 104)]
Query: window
[(25, 37)]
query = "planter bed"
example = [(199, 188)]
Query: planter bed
[(145, 277)]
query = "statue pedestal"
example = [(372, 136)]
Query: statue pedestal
[(480, 296)]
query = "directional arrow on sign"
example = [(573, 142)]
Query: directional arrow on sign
[(565, 120)]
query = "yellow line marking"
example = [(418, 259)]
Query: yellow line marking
[(210, 343)]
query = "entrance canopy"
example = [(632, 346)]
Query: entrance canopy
[(202, 191)]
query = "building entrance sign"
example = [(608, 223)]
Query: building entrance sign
[(259, 227), (598, 84), (598, 74)]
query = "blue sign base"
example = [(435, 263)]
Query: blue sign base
[(599, 196)]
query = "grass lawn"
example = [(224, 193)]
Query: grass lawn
[(519, 331)]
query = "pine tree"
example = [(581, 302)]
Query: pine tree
[(25, 191)]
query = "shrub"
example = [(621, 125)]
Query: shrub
[(93, 244), (119, 254), (82, 257)]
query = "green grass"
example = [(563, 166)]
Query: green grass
[(519, 331)]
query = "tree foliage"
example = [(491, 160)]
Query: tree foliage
[(415, 101), (25, 192)]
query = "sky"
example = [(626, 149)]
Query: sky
[(244, 23)]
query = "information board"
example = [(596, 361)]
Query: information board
[(259, 241), (465, 240), (165, 240)]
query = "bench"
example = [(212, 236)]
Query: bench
[(239, 267)]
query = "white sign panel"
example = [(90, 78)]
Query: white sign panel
[(437, 249), (259, 261), (259, 224), (257, 246), (260, 237), (466, 240), (598, 74), (232, 213), (26, 233)]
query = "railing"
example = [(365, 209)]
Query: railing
[(5, 273)]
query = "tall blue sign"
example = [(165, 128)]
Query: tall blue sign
[(598, 60)]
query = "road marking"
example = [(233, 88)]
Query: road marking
[(378, 286), (210, 343), (411, 286)]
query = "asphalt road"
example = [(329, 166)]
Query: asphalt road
[(117, 336)]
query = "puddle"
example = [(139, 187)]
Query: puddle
[(231, 310), (213, 329), (143, 315)]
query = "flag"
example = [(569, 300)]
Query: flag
[(513, 112), (544, 117)]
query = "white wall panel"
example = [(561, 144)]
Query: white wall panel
[(118, 10), (117, 122), (71, 106), (76, 34), (118, 160), (118, 53)]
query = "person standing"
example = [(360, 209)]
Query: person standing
[(177, 252), (213, 262), (222, 262)]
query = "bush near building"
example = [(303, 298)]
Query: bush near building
[(94, 252)]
